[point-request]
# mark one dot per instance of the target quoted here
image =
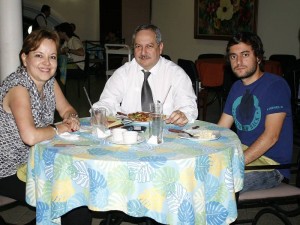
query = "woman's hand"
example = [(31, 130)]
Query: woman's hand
[(73, 122)]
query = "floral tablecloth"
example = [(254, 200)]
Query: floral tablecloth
[(178, 182)]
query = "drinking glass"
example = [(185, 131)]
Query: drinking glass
[(156, 122), (98, 121)]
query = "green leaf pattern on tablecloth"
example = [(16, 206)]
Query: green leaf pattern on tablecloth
[(118, 181), (165, 179)]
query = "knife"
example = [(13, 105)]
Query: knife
[(180, 132)]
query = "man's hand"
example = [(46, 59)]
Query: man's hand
[(177, 118)]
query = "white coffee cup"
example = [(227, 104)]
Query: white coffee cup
[(130, 137), (117, 134)]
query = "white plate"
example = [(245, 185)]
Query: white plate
[(140, 140), (216, 133)]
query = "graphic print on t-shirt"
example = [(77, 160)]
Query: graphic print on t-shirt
[(246, 112)]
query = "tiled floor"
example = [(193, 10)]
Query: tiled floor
[(22, 214)]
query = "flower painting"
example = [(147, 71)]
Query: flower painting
[(220, 19)]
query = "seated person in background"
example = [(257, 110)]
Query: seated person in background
[(112, 38), (72, 45), (259, 104), (29, 98), (123, 91), (73, 26)]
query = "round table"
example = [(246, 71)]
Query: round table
[(181, 181)]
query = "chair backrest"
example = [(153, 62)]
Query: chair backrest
[(190, 68), (272, 66), (286, 61), (295, 88), (211, 56), (211, 72)]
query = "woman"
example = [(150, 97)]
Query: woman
[(29, 98)]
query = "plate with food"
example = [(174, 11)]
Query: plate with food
[(139, 116)]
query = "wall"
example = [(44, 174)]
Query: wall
[(84, 14), (134, 13), (278, 26)]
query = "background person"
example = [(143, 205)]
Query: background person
[(259, 104), (40, 21), (122, 91), (72, 46), (29, 98)]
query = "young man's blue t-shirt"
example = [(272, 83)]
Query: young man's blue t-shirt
[(249, 105)]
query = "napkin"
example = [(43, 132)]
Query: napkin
[(153, 140), (69, 136), (100, 134)]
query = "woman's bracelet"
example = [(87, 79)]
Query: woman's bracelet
[(73, 115)]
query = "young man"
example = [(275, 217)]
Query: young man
[(259, 104), (168, 82)]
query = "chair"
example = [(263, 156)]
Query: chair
[(211, 74), (286, 61), (211, 56), (273, 199), (272, 66), (190, 68), (8, 203), (166, 57), (295, 91)]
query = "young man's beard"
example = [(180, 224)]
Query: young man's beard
[(249, 73)]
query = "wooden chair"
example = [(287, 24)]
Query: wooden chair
[(211, 56), (273, 67), (273, 199), (286, 61), (211, 75)]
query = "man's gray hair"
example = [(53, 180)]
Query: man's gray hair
[(152, 27)]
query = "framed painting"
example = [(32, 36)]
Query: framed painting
[(220, 19)]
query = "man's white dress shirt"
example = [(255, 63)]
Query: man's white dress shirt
[(122, 92)]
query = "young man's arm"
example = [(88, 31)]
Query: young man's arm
[(226, 120), (267, 139)]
